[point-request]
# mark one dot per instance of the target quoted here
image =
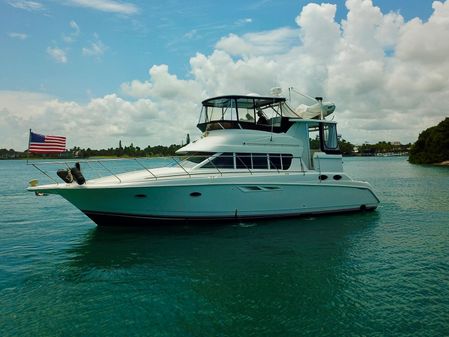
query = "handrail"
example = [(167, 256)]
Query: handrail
[(35, 166), (110, 171), (155, 177), (215, 167), (241, 161), (181, 166), (169, 174), (80, 161)]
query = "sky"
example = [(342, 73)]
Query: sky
[(100, 71)]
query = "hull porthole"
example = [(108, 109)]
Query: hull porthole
[(195, 194)]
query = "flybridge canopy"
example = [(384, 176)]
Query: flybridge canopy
[(245, 112)]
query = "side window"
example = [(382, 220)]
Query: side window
[(243, 160), (260, 161), (225, 161), (286, 161), (329, 138), (275, 161)]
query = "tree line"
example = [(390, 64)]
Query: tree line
[(366, 149), (78, 152), (346, 148)]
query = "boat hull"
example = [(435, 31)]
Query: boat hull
[(141, 220), (208, 203)]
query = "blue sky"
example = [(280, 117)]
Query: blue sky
[(133, 67), (134, 38)]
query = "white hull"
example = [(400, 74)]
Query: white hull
[(217, 197)]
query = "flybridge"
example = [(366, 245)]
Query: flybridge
[(271, 114), (245, 112)]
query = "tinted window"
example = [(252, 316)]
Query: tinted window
[(198, 157), (243, 160), (225, 161), (275, 161), (260, 161), (286, 161)]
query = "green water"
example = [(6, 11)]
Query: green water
[(382, 273)]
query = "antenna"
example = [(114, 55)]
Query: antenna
[(303, 95), (320, 100)]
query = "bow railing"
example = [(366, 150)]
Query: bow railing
[(181, 166)]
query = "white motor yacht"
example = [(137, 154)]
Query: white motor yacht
[(256, 159)]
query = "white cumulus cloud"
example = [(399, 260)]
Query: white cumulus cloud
[(96, 48), (58, 54), (26, 5), (387, 76), (69, 38), (112, 6), (100, 123)]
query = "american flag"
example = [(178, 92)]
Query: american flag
[(46, 144)]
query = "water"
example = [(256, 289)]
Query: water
[(382, 273)]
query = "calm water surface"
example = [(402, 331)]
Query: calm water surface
[(382, 273)]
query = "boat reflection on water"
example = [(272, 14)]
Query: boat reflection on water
[(228, 279), (106, 247)]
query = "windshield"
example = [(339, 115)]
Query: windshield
[(261, 110), (195, 158)]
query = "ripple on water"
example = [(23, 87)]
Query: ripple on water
[(382, 273)]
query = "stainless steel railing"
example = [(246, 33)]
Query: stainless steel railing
[(100, 168)]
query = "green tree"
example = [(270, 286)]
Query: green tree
[(432, 145), (346, 148)]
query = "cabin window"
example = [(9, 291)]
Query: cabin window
[(286, 161), (223, 161), (275, 161), (248, 161), (243, 161), (329, 140), (195, 158), (260, 161)]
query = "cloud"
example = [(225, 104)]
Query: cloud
[(191, 34), (58, 54), (163, 86), (19, 36), (141, 122), (387, 76), (244, 21), (137, 88), (259, 44), (26, 5), (96, 48), (74, 34), (107, 6)]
